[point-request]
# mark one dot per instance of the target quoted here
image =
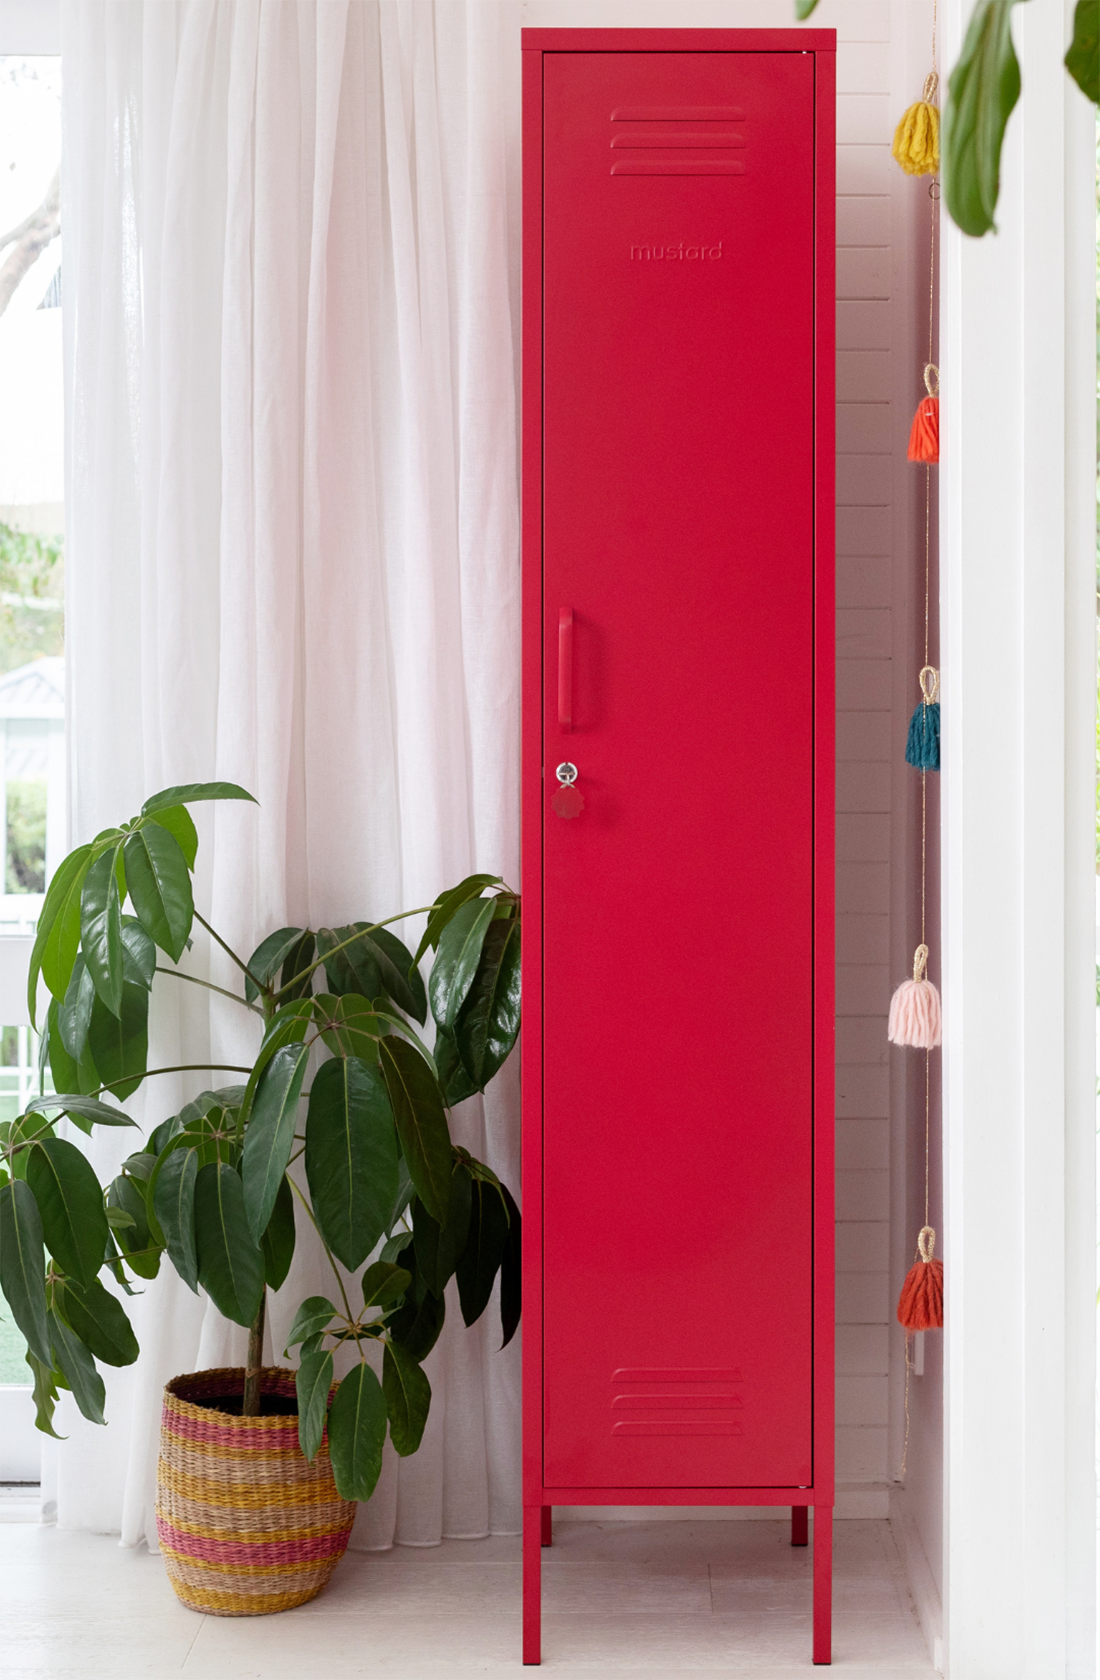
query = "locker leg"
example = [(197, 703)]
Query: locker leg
[(800, 1525), (823, 1583), (548, 1525), (532, 1583)]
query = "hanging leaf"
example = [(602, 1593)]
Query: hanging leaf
[(87, 1108), (357, 1433), (315, 1314), (75, 1012), (160, 887), (57, 937), (416, 1325), (360, 977), (297, 963), (191, 792), (400, 977), (408, 1395), (457, 959), (44, 1394), (269, 1137), (511, 1271), (803, 8), (277, 1242), (488, 1022), (982, 90), (98, 1319), (268, 958), (454, 1081), (351, 1157), (446, 905), (421, 1123), (101, 928), (139, 954), (23, 1265), (484, 1250), (119, 1044), (174, 1206), (1083, 57), (64, 1072), (312, 1384), (438, 1247), (70, 1204), (231, 1266), (78, 1368), (383, 1284), (136, 1239), (177, 820)]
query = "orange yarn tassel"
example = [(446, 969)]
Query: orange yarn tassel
[(920, 1304), (924, 437)]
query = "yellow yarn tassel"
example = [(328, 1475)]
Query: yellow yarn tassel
[(917, 137)]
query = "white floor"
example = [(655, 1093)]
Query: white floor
[(667, 1598)]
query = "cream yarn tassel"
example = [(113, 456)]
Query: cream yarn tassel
[(915, 1016)]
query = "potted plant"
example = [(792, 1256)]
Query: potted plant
[(366, 1153)]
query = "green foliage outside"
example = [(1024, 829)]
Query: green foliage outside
[(25, 870), (32, 597)]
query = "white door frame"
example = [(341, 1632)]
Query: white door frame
[(1017, 546)]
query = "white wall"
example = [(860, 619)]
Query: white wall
[(882, 302)]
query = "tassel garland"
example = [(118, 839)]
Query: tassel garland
[(917, 136), (915, 1016), (922, 749), (920, 1304), (924, 435)]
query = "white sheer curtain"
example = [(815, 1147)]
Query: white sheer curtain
[(291, 315)]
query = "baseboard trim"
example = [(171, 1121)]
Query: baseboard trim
[(857, 1500), (918, 1574)]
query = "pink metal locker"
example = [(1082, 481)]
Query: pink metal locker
[(678, 777)]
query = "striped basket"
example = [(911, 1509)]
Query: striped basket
[(246, 1524)]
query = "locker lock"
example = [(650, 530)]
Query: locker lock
[(567, 801)]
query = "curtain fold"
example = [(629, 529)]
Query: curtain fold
[(291, 316)]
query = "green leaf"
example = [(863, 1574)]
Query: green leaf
[(454, 1081), (312, 1382), (139, 954), (511, 1270), (295, 963), (98, 1318), (278, 1240), (269, 1137), (421, 1123), (351, 1157), (87, 1108), (803, 8), (484, 1250), (160, 887), (400, 977), (119, 1043), (488, 1022), (136, 1241), (23, 1265), (405, 1192), (57, 938), (1083, 57), (408, 1396), (418, 1323), (162, 1135), (288, 1025), (174, 1206), (177, 820), (45, 1394), (70, 1203), (982, 90), (344, 977), (457, 959), (190, 794), (446, 905), (78, 1369), (392, 1247), (231, 1266), (438, 1247), (349, 1026), (268, 958), (75, 1012), (357, 1433), (383, 1284), (315, 1314), (101, 928), (64, 1072)]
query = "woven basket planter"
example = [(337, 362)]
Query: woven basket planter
[(246, 1524)]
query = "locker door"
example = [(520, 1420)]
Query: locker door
[(678, 503)]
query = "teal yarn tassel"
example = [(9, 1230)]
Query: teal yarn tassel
[(922, 749)]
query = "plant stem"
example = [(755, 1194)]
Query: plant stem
[(229, 951), (402, 915), (253, 1371), (324, 1245), (184, 1067), (210, 987)]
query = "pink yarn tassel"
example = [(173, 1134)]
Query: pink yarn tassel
[(915, 1017)]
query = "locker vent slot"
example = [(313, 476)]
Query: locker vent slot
[(678, 1401), (682, 134)]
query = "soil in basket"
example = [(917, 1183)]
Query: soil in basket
[(271, 1405)]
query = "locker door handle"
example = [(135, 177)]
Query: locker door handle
[(565, 670)]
